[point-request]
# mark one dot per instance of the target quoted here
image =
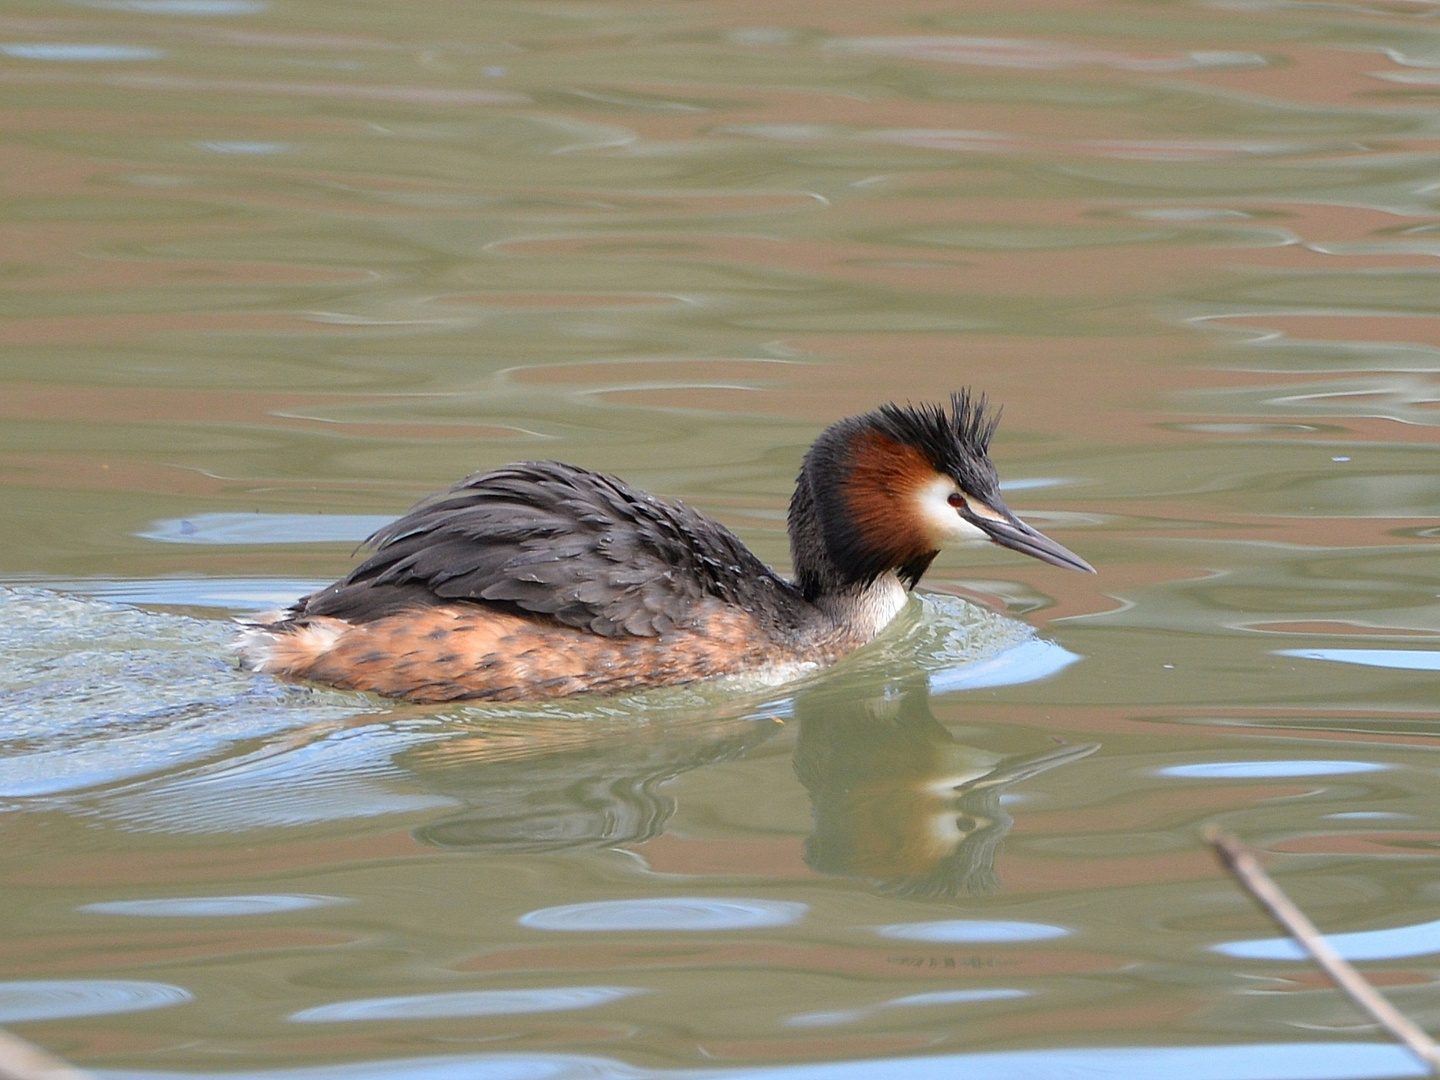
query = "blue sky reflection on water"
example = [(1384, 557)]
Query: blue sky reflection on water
[(465, 1003), (1396, 943), (208, 907), (1399, 659), (1282, 1061), (665, 914), (26, 1001)]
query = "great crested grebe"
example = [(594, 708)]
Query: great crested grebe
[(538, 579)]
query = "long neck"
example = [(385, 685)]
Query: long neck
[(857, 609), (815, 572)]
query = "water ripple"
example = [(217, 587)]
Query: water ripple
[(100, 694), (179, 7), (265, 528), (667, 913), (85, 54), (1400, 942), (939, 997), (1398, 659), (1246, 1061), (55, 999), (972, 930), (1252, 770), (466, 1003), (209, 907)]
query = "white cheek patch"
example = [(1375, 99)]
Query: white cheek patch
[(941, 522)]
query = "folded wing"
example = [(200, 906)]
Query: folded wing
[(551, 539)]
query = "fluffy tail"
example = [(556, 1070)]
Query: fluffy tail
[(274, 645)]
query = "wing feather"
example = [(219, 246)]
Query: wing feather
[(552, 539)]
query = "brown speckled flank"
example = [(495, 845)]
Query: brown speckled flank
[(468, 652)]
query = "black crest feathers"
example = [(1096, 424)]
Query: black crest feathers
[(956, 443)]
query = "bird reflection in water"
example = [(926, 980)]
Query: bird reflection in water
[(539, 784), (898, 801)]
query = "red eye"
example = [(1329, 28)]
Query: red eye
[(956, 500)]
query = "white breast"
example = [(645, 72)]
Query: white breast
[(872, 610)]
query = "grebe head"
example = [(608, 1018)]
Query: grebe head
[(887, 490)]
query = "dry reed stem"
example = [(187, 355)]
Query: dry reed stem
[(1241, 863), (20, 1060)]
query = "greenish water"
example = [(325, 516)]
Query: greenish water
[(273, 269)]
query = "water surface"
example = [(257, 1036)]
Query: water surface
[(276, 268)]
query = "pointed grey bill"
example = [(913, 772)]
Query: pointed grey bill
[(1015, 534)]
